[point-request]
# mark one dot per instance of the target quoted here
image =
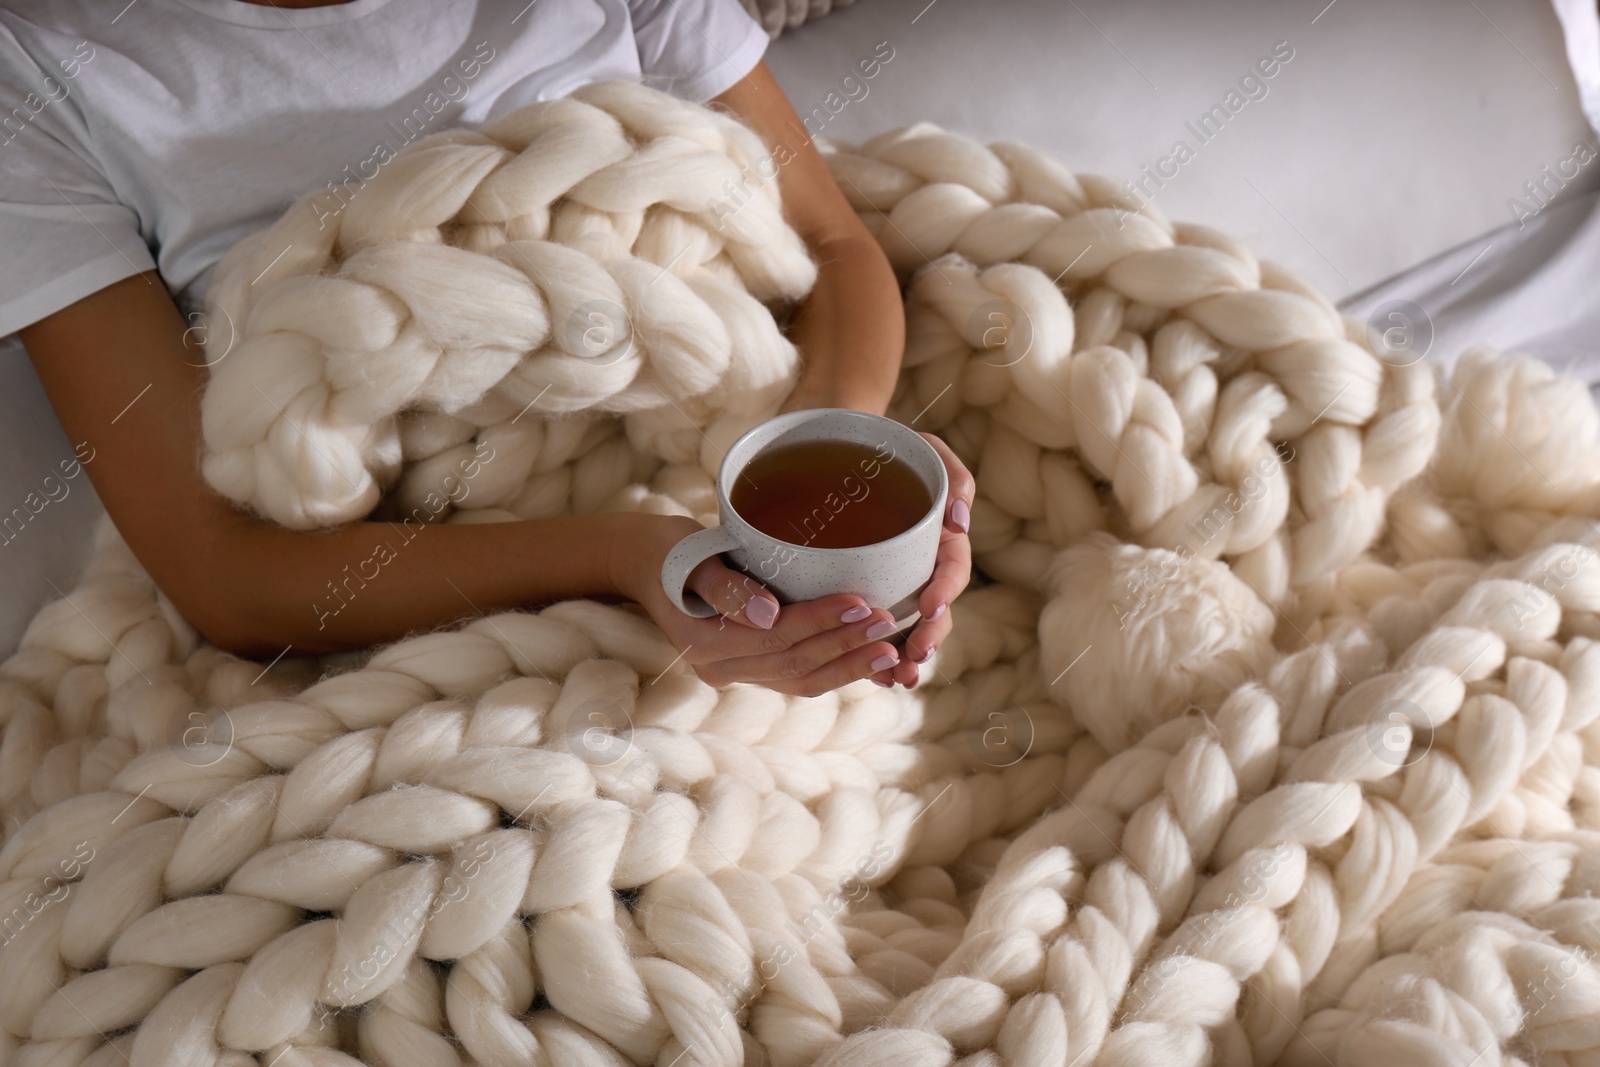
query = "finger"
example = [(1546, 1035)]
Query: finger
[(952, 570), (840, 671), (951, 573), (736, 596), (963, 487), (806, 657), (924, 641), (718, 638)]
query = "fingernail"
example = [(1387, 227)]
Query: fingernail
[(960, 515), (882, 628), (761, 611), (885, 661), (927, 654), (856, 614), (937, 612), (881, 685)]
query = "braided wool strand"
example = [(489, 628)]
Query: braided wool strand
[(1267, 732), (577, 228), (1189, 362)]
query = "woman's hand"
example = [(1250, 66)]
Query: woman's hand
[(953, 565), (850, 330), (952, 570), (802, 649)]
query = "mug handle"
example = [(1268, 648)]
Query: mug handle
[(685, 556)]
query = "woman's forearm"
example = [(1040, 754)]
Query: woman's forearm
[(850, 330), (125, 382), (372, 582)]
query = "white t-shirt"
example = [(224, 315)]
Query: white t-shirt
[(160, 135)]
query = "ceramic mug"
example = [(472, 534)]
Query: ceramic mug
[(888, 574)]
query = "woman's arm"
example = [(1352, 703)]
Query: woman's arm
[(121, 376), (851, 334), (851, 328)]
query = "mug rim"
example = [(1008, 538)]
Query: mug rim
[(934, 514)]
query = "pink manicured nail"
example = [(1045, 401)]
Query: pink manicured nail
[(856, 614), (937, 612), (881, 685), (884, 662), (882, 628), (927, 654), (761, 611), (961, 515)]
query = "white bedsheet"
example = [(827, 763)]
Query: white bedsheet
[(1533, 288), (1392, 134), (1395, 132), (1529, 286)]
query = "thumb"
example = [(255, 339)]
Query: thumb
[(735, 595)]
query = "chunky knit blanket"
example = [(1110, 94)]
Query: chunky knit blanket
[(1265, 733)]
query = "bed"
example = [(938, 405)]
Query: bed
[(1375, 145)]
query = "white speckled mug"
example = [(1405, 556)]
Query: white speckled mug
[(888, 574)]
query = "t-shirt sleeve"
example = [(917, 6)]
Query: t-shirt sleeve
[(696, 49), (63, 233)]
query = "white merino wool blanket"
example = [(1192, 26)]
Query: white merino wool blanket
[(1266, 733)]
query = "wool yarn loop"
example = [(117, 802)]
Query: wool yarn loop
[(1264, 733)]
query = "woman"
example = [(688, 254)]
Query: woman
[(150, 140)]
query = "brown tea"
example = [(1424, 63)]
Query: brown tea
[(830, 494)]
